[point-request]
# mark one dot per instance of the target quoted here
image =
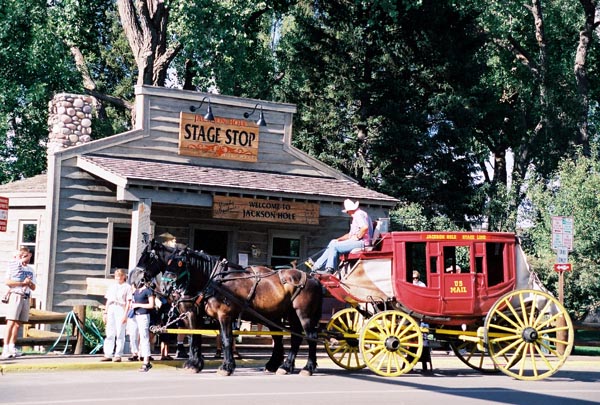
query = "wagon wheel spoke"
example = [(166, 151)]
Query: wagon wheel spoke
[(470, 355), (391, 343), (529, 334), (344, 351)]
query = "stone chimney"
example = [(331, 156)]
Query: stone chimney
[(69, 121)]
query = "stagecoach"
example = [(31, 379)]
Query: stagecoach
[(480, 298)]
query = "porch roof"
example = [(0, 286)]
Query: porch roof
[(127, 172)]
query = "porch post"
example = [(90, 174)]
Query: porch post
[(140, 223)]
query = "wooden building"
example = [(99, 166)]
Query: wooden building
[(223, 184)]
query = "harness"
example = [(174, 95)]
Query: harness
[(224, 272)]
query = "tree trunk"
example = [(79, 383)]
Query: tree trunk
[(145, 26), (580, 70)]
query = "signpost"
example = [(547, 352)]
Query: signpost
[(3, 213), (562, 244)]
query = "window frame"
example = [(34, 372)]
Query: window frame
[(112, 224), (21, 242), (283, 234)]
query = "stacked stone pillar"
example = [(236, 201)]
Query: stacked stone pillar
[(69, 120)]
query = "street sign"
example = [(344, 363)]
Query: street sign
[(562, 255), (3, 213), (560, 267), (562, 233)]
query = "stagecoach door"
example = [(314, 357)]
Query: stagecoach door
[(458, 281)]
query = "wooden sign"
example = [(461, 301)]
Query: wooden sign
[(3, 213), (251, 209), (223, 138)]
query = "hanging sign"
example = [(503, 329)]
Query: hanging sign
[(3, 213), (252, 209), (223, 138)]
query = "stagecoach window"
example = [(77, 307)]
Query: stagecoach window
[(416, 259), (457, 259), (28, 237), (284, 251), (495, 263)]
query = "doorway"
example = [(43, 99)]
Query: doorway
[(212, 242)]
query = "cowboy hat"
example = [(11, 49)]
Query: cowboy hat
[(350, 206)]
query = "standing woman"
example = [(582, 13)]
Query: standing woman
[(142, 304), (115, 317)]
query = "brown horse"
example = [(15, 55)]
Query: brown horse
[(204, 285)]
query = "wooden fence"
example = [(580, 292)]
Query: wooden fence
[(31, 335)]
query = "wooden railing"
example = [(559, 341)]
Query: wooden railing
[(31, 336)]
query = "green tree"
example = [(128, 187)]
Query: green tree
[(542, 102), (380, 85), (32, 69), (573, 190)]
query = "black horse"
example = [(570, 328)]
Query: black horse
[(204, 285)]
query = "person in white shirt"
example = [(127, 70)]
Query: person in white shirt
[(20, 280), (115, 317)]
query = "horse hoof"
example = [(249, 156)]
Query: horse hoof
[(282, 371), (306, 373), (224, 373)]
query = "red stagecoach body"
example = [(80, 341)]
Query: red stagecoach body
[(487, 264)]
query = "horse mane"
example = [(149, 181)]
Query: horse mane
[(201, 261)]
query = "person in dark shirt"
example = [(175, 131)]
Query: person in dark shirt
[(142, 304)]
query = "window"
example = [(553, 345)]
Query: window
[(457, 259), (495, 263), (416, 260), (119, 240), (284, 251), (212, 241), (28, 237)]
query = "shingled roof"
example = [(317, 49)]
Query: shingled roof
[(136, 172), (35, 184)]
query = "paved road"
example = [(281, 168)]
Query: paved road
[(452, 383)]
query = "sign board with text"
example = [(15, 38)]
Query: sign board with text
[(223, 138), (562, 233), (3, 213), (252, 209)]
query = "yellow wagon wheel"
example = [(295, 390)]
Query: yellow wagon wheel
[(529, 334), (342, 345), (470, 355), (391, 343)]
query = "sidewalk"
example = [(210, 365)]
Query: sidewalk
[(56, 362)]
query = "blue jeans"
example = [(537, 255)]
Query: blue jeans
[(329, 258)]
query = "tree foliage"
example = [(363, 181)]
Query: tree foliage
[(32, 69), (381, 88)]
